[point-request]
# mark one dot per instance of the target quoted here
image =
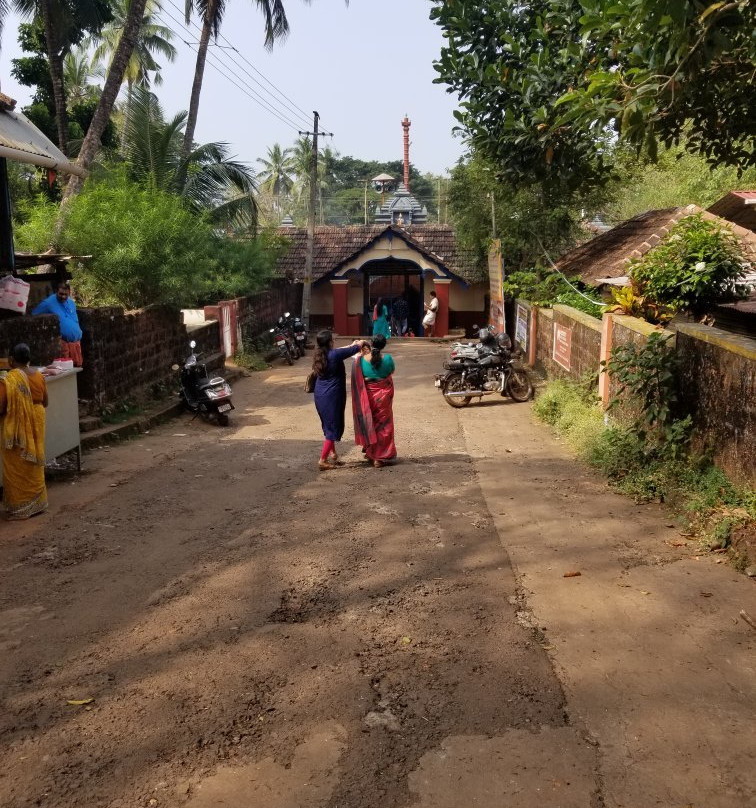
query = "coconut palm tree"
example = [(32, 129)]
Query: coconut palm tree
[(65, 22), (78, 72), (274, 177), (207, 178), (152, 39), (211, 12)]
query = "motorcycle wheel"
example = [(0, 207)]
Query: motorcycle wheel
[(222, 419), (519, 386), (287, 357), (454, 384)]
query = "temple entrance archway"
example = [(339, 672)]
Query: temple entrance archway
[(389, 279)]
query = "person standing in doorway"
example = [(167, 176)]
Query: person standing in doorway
[(381, 319), (431, 310), (401, 313), (62, 306)]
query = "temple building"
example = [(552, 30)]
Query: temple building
[(400, 255)]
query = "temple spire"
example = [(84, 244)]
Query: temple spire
[(406, 123)]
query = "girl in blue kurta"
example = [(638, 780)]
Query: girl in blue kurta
[(330, 393)]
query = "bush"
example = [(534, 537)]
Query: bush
[(698, 265), (146, 247), (699, 491), (545, 288)]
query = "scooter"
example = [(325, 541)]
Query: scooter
[(285, 349), (294, 330), (210, 398)]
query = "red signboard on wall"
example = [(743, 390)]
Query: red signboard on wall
[(562, 345)]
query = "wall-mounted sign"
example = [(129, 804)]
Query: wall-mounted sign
[(562, 345), (496, 277), (521, 329)]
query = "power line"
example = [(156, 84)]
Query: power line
[(235, 79), (281, 98)]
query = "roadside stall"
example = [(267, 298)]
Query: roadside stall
[(21, 141)]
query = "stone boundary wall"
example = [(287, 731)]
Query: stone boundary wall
[(128, 355), (582, 359), (41, 334), (718, 374), (246, 318), (719, 386)]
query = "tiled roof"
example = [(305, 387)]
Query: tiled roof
[(334, 245), (733, 207), (605, 256), (608, 255)]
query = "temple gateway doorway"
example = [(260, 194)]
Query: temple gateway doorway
[(388, 280)]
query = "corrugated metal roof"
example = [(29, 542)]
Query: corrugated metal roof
[(20, 140)]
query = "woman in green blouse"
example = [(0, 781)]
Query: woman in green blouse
[(372, 402)]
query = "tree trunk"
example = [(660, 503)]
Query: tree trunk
[(109, 93), (126, 117), (199, 72), (55, 59)]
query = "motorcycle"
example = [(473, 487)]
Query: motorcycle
[(494, 368), (296, 330), (284, 345), (210, 398)]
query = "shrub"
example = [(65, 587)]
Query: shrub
[(147, 247), (698, 265)]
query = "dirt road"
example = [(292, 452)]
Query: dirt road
[(253, 632)]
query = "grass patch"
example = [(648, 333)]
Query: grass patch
[(251, 360), (705, 500), (119, 412)]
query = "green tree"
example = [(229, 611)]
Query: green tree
[(543, 84), (78, 72), (207, 178), (211, 13), (142, 67), (147, 246), (508, 62), (64, 23), (33, 71), (669, 71), (274, 178), (677, 177)]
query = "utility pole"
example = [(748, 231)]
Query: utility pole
[(310, 252), (493, 215)]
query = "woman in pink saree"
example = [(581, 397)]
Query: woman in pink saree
[(372, 402)]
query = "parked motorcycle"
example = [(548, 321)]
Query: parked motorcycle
[(294, 327), (494, 368), (285, 348), (210, 398)]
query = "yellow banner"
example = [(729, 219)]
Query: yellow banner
[(496, 278)]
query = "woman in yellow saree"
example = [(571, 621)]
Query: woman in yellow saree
[(23, 398)]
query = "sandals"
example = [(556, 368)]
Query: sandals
[(324, 465)]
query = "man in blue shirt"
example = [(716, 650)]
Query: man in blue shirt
[(61, 305)]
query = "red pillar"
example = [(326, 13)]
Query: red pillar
[(442, 317), (340, 291)]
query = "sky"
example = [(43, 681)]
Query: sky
[(362, 67)]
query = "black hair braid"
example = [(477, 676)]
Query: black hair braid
[(320, 357), (376, 346)]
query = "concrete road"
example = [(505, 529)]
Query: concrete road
[(243, 630)]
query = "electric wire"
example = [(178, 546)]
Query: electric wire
[(213, 57), (293, 111), (563, 276)]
